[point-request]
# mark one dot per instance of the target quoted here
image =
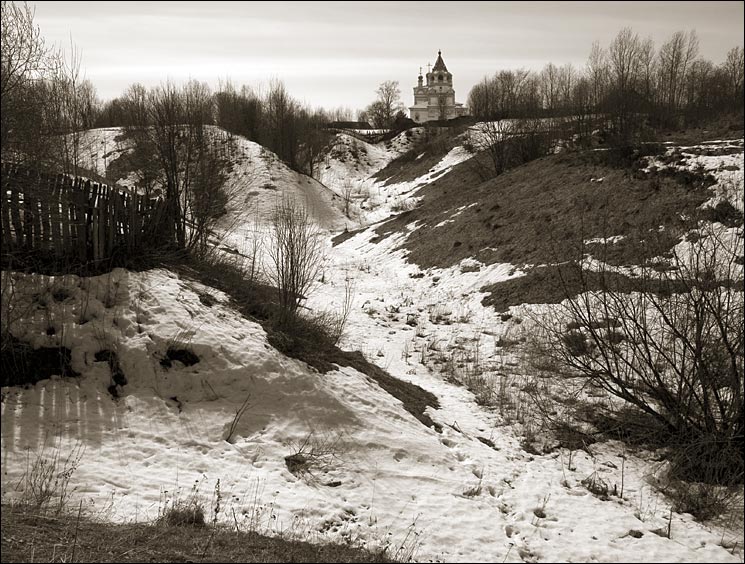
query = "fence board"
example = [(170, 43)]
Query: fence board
[(7, 225), (65, 190), (44, 216), (28, 218), (55, 218), (15, 211), (101, 223), (80, 221), (75, 218), (110, 222)]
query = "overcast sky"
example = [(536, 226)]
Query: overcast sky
[(337, 53)]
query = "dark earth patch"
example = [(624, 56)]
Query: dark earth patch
[(22, 364)]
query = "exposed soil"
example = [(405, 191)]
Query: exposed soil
[(22, 364)]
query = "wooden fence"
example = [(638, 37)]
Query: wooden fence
[(59, 217)]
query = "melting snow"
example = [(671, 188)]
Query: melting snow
[(469, 493)]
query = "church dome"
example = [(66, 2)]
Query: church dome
[(439, 64)]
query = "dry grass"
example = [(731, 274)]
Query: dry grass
[(29, 537), (434, 143), (728, 126), (553, 284), (536, 213), (44, 487)]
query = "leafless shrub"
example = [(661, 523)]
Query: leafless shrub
[(45, 484), (315, 453), (675, 355), (597, 486), (333, 323), (348, 191), (295, 255)]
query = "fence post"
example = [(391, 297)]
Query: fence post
[(54, 208), (7, 224), (78, 201)]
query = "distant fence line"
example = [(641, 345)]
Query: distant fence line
[(370, 136), (63, 218)]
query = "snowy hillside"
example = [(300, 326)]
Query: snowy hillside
[(257, 176), (176, 390), (380, 476), (351, 166), (413, 325)]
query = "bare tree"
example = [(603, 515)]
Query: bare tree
[(734, 69), (347, 195), (389, 95), (136, 106), (27, 66), (166, 114), (675, 58), (597, 73), (314, 140), (188, 163), (492, 138), (511, 91), (341, 113), (567, 78), (69, 102), (697, 88), (628, 84), (581, 105), (295, 253), (375, 113), (281, 121), (208, 197), (45, 102), (550, 87), (24, 55), (624, 56), (479, 99), (382, 112), (647, 72)]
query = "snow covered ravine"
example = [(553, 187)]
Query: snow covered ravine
[(387, 479), (514, 506), (377, 476)]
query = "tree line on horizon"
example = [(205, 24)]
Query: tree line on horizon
[(629, 81), (46, 102)]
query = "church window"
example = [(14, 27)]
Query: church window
[(439, 77)]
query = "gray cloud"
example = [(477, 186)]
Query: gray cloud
[(336, 53)]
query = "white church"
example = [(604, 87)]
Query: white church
[(436, 99)]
